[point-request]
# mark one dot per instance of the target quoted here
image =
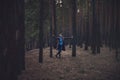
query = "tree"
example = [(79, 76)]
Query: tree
[(73, 3), (93, 46), (41, 3), (20, 32), (87, 26)]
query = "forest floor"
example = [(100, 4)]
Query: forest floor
[(85, 66)]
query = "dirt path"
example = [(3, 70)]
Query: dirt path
[(85, 66)]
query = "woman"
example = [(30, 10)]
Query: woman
[(60, 45)]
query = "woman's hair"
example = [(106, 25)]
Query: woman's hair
[(60, 35)]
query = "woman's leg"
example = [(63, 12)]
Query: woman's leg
[(59, 51)]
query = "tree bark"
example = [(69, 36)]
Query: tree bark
[(41, 3), (73, 2)]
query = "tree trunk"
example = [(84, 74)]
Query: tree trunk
[(3, 39), (51, 25), (87, 26), (94, 27), (41, 3), (74, 27), (117, 29), (54, 34), (98, 38), (21, 34)]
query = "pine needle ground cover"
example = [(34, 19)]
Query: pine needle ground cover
[(85, 66)]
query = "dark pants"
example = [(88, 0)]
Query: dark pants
[(59, 50)]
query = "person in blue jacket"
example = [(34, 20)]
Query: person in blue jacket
[(60, 45)]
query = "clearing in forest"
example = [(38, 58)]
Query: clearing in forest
[(85, 66)]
